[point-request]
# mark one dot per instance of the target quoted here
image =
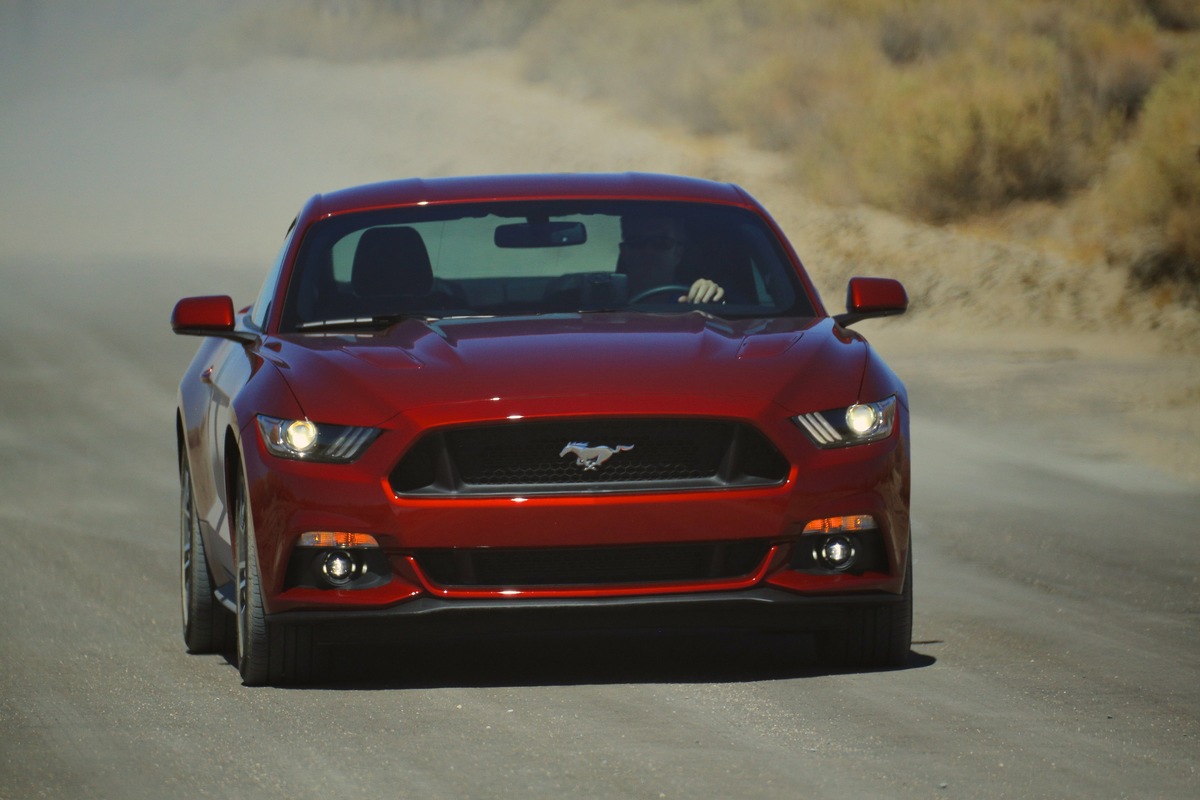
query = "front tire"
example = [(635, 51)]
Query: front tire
[(207, 625), (267, 653), (878, 637)]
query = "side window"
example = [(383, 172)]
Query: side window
[(262, 305)]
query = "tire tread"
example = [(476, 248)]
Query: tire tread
[(208, 626), (878, 637)]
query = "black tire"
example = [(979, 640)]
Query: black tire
[(876, 637), (207, 625), (268, 654)]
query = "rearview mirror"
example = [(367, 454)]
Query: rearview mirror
[(541, 234)]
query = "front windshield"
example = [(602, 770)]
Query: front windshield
[(499, 259)]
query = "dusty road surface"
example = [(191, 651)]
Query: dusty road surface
[(1056, 498)]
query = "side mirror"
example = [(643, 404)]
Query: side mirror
[(205, 316), (867, 298)]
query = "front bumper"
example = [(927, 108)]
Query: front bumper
[(759, 608), (291, 498)]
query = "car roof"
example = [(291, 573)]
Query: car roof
[(627, 185)]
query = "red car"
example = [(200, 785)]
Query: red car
[(539, 401)]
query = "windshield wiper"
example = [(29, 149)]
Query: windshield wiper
[(377, 322)]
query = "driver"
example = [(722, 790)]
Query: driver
[(652, 250)]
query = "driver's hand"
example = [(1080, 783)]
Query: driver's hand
[(703, 291)]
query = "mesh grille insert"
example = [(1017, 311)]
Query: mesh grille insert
[(576, 566)]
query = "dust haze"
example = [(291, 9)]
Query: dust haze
[(131, 129), (158, 130)]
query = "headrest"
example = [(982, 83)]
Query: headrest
[(391, 262)]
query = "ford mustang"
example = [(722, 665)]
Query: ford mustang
[(541, 402)]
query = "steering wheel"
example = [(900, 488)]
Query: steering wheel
[(669, 287)]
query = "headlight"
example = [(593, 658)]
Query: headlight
[(857, 424), (307, 441)]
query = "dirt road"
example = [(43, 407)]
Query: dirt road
[(1056, 593)]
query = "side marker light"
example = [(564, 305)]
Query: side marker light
[(340, 539)]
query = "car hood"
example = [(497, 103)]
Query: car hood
[(576, 363)]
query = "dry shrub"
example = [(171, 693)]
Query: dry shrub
[(1174, 15), (787, 97), (1004, 143), (1158, 183), (962, 135), (1001, 103), (769, 95), (910, 33), (1117, 66)]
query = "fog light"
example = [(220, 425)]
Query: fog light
[(836, 552), (338, 567)]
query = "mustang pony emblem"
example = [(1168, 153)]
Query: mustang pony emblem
[(592, 457)]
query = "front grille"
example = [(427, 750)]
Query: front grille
[(589, 455), (591, 566)]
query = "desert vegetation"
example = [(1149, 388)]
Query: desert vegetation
[(1077, 121)]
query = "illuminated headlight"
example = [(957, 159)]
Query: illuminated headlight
[(857, 424), (305, 440)]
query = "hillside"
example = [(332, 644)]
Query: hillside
[(1064, 135)]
